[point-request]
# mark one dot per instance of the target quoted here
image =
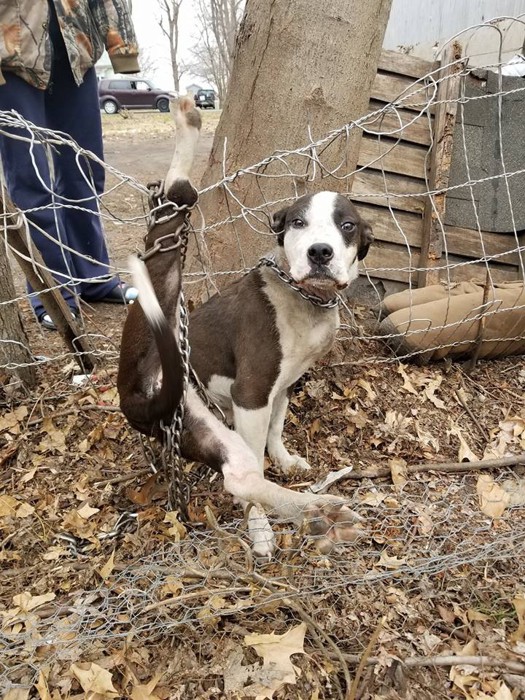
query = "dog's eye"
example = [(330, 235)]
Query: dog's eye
[(297, 223), (348, 226)]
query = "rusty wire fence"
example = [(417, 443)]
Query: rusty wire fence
[(427, 543)]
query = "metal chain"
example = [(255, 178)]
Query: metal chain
[(285, 277), (178, 490), (81, 545)]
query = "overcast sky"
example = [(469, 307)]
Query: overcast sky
[(155, 44)]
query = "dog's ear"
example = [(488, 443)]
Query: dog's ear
[(365, 240), (277, 224)]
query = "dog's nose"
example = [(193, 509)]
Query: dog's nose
[(320, 253)]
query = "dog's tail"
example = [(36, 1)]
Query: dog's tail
[(145, 412), (188, 124)]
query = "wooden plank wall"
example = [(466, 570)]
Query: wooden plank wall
[(396, 164)]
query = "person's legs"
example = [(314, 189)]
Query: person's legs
[(28, 181), (74, 109)]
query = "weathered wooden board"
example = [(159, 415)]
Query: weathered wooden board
[(381, 189), (386, 154), (391, 262), (402, 63), (400, 123), (402, 91)]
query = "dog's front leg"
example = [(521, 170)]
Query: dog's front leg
[(276, 449), (252, 426)]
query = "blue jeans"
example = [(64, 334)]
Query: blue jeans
[(72, 109)]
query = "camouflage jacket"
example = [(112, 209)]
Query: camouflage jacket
[(87, 27)]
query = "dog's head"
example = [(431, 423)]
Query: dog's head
[(323, 238)]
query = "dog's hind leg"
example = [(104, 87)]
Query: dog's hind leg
[(207, 440)]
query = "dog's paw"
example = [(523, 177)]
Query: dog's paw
[(331, 521), (260, 533), (290, 462)]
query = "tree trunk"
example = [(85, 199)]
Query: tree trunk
[(14, 347), (301, 69)]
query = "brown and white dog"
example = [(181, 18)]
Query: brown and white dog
[(249, 345)]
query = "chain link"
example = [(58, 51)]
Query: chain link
[(285, 277), (82, 545)]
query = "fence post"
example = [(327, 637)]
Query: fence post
[(14, 346), (33, 267), (440, 158)]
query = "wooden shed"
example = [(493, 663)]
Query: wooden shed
[(410, 155)]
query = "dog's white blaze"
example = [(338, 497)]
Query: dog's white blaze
[(305, 332), (320, 228), (147, 297)]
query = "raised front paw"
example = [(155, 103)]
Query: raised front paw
[(331, 521)]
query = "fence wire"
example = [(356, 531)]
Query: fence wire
[(428, 545)]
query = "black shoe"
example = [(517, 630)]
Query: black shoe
[(122, 293)]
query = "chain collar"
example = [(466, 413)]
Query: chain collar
[(285, 277)]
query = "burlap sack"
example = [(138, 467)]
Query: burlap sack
[(436, 322)]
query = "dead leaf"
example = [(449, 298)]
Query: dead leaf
[(8, 506), (389, 562), (473, 615), (16, 694), (27, 602), (24, 510), (431, 387), (177, 529), (398, 470), (172, 586), (42, 687), (492, 498), (94, 679), (407, 385), (424, 520), (145, 691), (372, 498), (519, 605), (107, 568), (276, 650), (465, 454), (86, 511), (370, 393), (11, 421), (148, 491)]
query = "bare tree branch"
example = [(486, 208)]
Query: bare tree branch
[(213, 53), (168, 22)]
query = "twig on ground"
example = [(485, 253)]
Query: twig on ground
[(467, 408), (447, 467), (178, 600), (73, 409), (452, 660), (362, 663), (123, 477)]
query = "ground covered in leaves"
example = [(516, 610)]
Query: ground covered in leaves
[(105, 594)]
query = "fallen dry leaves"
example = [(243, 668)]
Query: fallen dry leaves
[(217, 635)]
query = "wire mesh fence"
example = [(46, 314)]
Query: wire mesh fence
[(432, 565)]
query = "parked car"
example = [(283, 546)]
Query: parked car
[(132, 93), (205, 99)]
